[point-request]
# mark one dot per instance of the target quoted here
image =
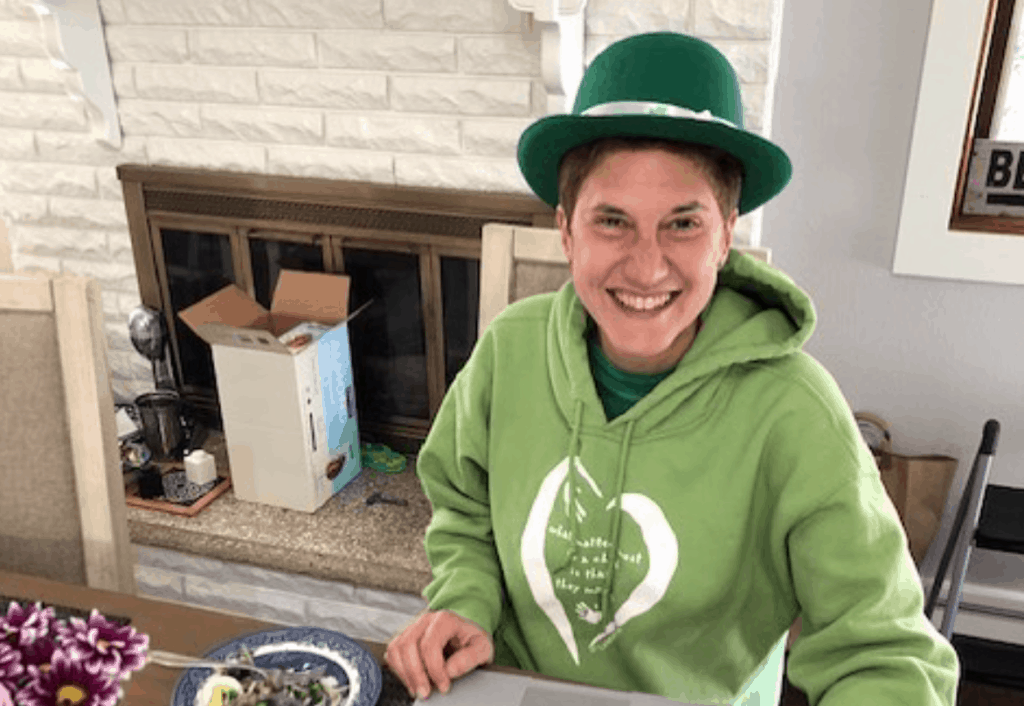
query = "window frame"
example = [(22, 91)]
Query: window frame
[(933, 238)]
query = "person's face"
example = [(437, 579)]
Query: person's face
[(646, 225)]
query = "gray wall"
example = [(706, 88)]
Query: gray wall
[(934, 357)]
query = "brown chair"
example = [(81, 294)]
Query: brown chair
[(62, 504)]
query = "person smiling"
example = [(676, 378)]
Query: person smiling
[(650, 236), (641, 480)]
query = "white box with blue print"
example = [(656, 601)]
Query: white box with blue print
[(285, 386)]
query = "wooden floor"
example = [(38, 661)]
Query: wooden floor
[(969, 694)]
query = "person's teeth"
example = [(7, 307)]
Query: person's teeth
[(642, 304)]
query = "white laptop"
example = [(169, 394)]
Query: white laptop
[(485, 688)]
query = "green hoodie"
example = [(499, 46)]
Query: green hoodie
[(747, 497)]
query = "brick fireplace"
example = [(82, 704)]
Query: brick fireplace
[(396, 93)]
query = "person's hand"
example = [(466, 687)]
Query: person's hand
[(438, 647)]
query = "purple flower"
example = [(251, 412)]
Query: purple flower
[(28, 623), (11, 669), (66, 682), (103, 646), (29, 631), (46, 662)]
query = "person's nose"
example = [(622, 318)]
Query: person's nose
[(647, 263)]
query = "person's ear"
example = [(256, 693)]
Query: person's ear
[(563, 226), (730, 225)]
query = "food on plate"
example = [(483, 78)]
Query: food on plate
[(218, 690), (237, 686)]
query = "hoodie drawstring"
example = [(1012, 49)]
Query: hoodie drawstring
[(617, 521), (574, 449)]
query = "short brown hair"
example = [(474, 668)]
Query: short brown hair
[(724, 171)]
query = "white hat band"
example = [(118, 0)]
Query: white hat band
[(651, 108)]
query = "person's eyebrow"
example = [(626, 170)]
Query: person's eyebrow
[(682, 208)]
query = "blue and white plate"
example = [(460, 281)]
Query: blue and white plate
[(295, 648)]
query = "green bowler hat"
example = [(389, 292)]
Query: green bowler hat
[(662, 85)]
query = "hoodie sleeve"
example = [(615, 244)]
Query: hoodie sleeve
[(865, 639), (452, 469)]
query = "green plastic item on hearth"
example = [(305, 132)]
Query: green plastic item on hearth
[(381, 458)]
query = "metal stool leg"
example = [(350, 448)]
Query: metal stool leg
[(956, 590), (956, 534), (975, 493)]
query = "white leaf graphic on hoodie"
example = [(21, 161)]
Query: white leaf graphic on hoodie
[(662, 550)]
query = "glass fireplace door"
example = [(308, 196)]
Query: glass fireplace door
[(407, 346), (197, 263), (389, 353)]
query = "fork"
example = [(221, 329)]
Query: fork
[(278, 677), (173, 659)]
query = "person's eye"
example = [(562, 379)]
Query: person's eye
[(611, 221), (685, 223)]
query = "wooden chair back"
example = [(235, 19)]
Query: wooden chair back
[(62, 503)]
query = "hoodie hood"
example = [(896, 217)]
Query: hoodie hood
[(755, 314)]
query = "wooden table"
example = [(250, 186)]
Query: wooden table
[(190, 630), (171, 626)]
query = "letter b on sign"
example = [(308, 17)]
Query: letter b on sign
[(995, 179), (1000, 167)]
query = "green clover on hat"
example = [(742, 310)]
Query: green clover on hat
[(662, 85)]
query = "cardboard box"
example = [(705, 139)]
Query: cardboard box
[(284, 380)]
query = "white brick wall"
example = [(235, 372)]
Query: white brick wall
[(389, 91), (290, 599)]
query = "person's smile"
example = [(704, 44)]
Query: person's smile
[(644, 305)]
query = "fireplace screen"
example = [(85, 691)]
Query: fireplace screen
[(388, 339), (414, 251), (198, 264), (460, 283), (389, 354)]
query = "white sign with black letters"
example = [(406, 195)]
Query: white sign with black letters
[(995, 180)]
